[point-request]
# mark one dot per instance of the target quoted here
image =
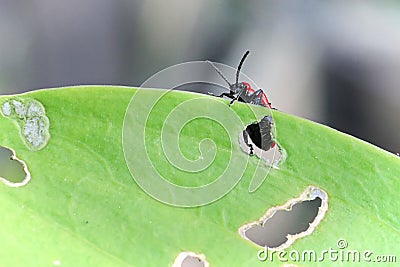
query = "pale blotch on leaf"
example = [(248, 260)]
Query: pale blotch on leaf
[(6, 109), (19, 108), (34, 131), (31, 117), (35, 110)]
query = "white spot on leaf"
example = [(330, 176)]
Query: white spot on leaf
[(19, 108), (6, 109), (35, 110), (32, 120), (34, 131)]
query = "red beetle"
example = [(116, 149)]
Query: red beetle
[(242, 91)]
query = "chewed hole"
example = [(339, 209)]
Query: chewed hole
[(10, 169), (274, 231), (13, 171), (190, 259), (258, 139), (281, 226), (192, 262)]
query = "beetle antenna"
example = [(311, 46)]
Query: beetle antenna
[(220, 73), (240, 65)]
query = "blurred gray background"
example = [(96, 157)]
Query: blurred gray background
[(334, 62)]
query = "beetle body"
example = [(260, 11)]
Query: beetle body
[(242, 91), (249, 95)]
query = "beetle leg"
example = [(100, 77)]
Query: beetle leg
[(256, 95), (246, 140), (229, 95), (232, 101)]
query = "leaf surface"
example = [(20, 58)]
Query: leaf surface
[(83, 208)]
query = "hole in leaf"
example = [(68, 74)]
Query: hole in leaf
[(258, 139), (260, 134), (192, 262), (190, 259), (281, 226), (273, 232), (13, 171)]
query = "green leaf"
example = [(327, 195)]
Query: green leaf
[(82, 207)]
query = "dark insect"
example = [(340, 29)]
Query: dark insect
[(259, 133), (242, 91)]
